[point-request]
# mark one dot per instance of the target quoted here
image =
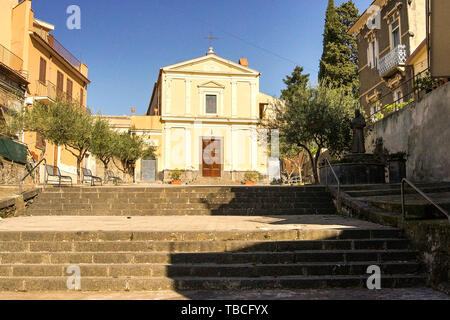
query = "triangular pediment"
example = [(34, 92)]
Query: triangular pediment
[(211, 84), (211, 64)]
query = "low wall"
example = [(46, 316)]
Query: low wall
[(12, 172), (14, 206), (420, 129), (430, 238)]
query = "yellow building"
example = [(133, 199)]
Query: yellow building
[(210, 110), (50, 69), (149, 129)]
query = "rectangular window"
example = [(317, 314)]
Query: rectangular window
[(211, 104), (395, 34), (81, 96), (59, 83), (398, 97), (42, 70), (69, 89)]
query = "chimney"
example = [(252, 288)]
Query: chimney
[(243, 62), (133, 110)]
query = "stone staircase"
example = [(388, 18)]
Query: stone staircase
[(116, 261), (160, 201), (283, 257), (388, 197)]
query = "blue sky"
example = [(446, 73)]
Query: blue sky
[(125, 43)]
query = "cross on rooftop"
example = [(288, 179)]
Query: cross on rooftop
[(211, 39)]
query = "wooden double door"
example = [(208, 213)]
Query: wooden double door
[(211, 157)]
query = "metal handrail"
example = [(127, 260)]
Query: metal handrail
[(422, 194), (335, 175), (30, 172)]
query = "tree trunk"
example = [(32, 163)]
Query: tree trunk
[(105, 170), (79, 170)]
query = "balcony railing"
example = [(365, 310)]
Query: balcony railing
[(10, 59), (58, 47), (392, 60), (46, 89)]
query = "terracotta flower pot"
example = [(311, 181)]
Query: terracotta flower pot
[(176, 181), (250, 183)]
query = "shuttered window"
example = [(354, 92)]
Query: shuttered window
[(69, 89), (211, 103), (42, 70), (59, 83), (81, 96)]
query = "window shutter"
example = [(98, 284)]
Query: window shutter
[(377, 53), (42, 70), (59, 83), (81, 97), (69, 89), (368, 56)]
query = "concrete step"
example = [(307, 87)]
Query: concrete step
[(262, 235), (210, 283), (208, 270), (200, 246), (337, 256)]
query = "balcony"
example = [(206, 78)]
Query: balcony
[(45, 92), (58, 47), (10, 59), (393, 61)]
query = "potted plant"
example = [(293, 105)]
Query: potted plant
[(251, 177), (175, 176)]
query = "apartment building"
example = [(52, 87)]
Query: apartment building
[(388, 33), (49, 68)]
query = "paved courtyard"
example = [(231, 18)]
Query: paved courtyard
[(183, 223), (323, 294)]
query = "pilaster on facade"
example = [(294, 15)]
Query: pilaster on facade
[(188, 97)]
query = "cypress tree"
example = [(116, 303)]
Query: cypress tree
[(338, 65), (294, 82)]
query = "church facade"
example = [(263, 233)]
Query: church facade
[(210, 110)]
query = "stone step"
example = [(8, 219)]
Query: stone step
[(188, 189), (336, 256), (32, 211), (419, 209), (186, 200), (208, 270), (262, 235), (396, 191), (200, 246), (395, 186), (65, 205), (210, 283)]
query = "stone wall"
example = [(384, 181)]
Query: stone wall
[(421, 129), (15, 205), (430, 238), (12, 172)]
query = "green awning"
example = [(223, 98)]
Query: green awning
[(13, 151)]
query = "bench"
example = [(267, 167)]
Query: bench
[(52, 171), (111, 177), (89, 177)]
